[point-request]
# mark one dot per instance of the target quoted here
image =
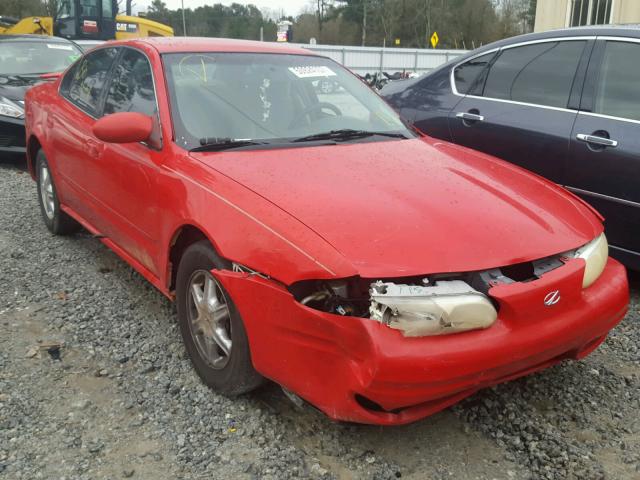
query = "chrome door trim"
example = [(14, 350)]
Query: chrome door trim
[(609, 117), (524, 104), (451, 73), (618, 39), (625, 250), (602, 196)]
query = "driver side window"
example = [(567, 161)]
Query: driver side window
[(131, 88)]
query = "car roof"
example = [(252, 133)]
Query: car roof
[(206, 44), (34, 38), (621, 30)]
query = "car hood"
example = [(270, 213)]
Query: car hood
[(14, 87), (412, 207)]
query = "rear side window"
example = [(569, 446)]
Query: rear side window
[(541, 73), (131, 88), (617, 87), (86, 88), (468, 74)]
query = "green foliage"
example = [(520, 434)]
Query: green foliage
[(459, 23), (22, 8), (234, 21)]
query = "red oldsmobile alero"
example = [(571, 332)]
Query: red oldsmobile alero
[(312, 238)]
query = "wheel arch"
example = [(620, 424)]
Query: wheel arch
[(184, 236), (33, 147)]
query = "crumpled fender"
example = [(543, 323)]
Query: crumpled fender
[(283, 334)]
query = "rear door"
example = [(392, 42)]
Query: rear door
[(520, 106), (604, 154)]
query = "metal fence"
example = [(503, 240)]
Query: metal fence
[(364, 60)]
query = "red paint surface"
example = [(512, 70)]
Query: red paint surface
[(377, 210), (328, 359), (124, 127)]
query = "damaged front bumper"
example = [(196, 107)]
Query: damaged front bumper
[(356, 369)]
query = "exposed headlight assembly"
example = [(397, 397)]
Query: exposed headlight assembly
[(595, 254), (11, 109), (446, 307)]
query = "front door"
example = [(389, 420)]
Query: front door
[(518, 108), (604, 154), (125, 180)]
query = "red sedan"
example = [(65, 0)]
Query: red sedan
[(311, 237)]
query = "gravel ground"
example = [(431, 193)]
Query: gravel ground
[(122, 401)]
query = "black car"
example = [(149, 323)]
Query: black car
[(23, 61), (564, 104)]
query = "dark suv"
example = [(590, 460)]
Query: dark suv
[(564, 104)]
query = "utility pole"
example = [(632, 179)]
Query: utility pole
[(364, 22), (184, 21), (320, 15), (429, 33)]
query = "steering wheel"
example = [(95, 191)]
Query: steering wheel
[(315, 107)]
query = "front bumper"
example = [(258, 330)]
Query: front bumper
[(12, 137), (356, 369)]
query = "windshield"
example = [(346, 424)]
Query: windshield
[(269, 97), (30, 58)]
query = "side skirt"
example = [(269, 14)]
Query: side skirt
[(137, 266)]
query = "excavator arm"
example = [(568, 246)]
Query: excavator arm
[(27, 25)]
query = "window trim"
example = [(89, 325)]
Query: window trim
[(586, 104), (93, 114), (515, 45), (99, 113), (155, 91)]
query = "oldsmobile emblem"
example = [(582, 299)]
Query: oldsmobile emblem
[(552, 298)]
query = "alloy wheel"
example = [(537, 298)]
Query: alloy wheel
[(209, 319), (46, 190)]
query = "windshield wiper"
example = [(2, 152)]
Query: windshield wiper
[(347, 133), (218, 144)]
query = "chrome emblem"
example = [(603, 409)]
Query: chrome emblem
[(552, 298)]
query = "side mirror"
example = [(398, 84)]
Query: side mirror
[(123, 127)]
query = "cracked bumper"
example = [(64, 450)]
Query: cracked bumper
[(335, 362)]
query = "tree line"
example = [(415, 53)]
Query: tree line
[(406, 23)]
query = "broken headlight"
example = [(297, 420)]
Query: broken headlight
[(449, 306), (595, 254)]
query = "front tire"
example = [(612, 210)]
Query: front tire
[(211, 326), (57, 221)]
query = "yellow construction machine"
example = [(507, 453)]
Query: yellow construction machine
[(86, 20)]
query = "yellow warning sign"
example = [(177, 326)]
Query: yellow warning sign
[(434, 39), (397, 42)]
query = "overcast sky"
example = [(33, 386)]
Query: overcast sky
[(290, 7)]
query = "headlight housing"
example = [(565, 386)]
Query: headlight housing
[(595, 254), (446, 307), (9, 108)]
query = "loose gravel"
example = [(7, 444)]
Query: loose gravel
[(119, 399)]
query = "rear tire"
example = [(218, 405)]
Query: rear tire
[(57, 221), (211, 326)]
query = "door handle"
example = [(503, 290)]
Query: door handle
[(596, 140), (94, 149), (470, 117)]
